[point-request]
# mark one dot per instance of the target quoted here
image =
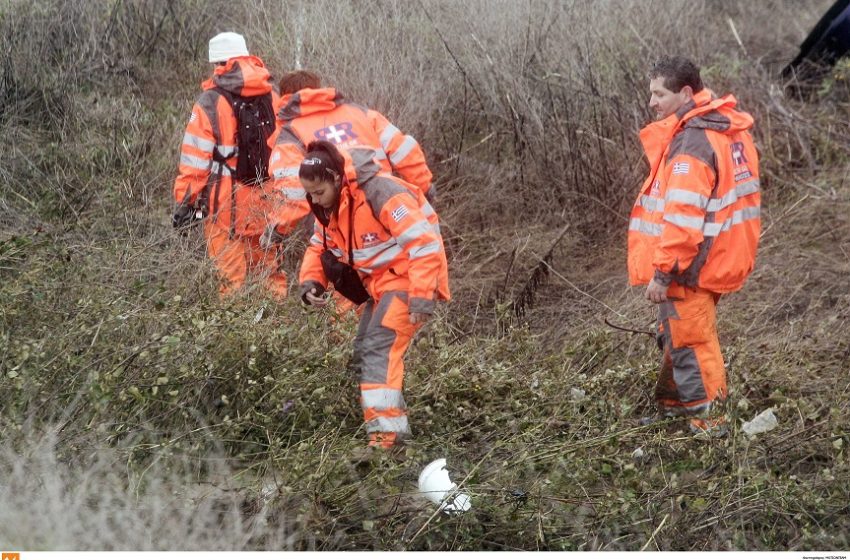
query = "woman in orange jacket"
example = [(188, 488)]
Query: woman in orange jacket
[(387, 232)]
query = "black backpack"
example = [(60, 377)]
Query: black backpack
[(254, 124)]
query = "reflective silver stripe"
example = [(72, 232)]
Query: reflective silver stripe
[(380, 154), (195, 162), (408, 144), (730, 198), (652, 203), (364, 270), (711, 230), (295, 194), (687, 197), (427, 209), (197, 142), (693, 222), (220, 169), (739, 216), (282, 172), (414, 232), (397, 424), (381, 398), (316, 240), (371, 252), (425, 250), (228, 151), (336, 252), (386, 257), (436, 228), (387, 136), (636, 224)]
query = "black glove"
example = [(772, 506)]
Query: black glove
[(306, 287), (183, 216)]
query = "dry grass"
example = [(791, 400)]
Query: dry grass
[(176, 421)]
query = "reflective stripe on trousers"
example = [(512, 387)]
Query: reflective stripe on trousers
[(692, 373), (382, 339)]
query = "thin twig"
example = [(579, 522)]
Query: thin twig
[(652, 537), (452, 54), (783, 216), (582, 292), (457, 155), (628, 330), (737, 37)]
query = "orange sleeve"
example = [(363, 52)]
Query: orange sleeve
[(196, 154), (290, 199), (403, 151), (403, 218), (689, 184), (311, 265)]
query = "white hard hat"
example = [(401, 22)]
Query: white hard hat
[(225, 46)]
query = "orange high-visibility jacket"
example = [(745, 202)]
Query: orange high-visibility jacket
[(203, 182), (323, 114), (696, 219), (395, 239)]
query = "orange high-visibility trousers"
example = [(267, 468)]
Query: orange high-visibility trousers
[(237, 258), (383, 335), (692, 375)]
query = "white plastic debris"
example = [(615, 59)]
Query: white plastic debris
[(577, 394), (436, 486), (259, 316), (764, 422), (268, 491), (637, 453)]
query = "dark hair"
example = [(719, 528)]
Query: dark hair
[(323, 162), (297, 80), (677, 72)]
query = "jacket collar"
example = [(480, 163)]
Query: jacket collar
[(657, 135), (242, 75), (308, 101)]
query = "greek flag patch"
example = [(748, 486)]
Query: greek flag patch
[(399, 213), (193, 117), (681, 168)]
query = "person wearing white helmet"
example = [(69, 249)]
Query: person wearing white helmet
[(227, 45), (224, 164)]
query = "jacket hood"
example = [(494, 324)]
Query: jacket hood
[(243, 75), (360, 164), (704, 111), (711, 113), (308, 101)]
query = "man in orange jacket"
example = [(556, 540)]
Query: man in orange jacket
[(693, 232), (235, 213), (310, 112), (387, 232)]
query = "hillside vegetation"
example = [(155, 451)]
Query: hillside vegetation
[(140, 412)]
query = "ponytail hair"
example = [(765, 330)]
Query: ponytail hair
[(323, 162)]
